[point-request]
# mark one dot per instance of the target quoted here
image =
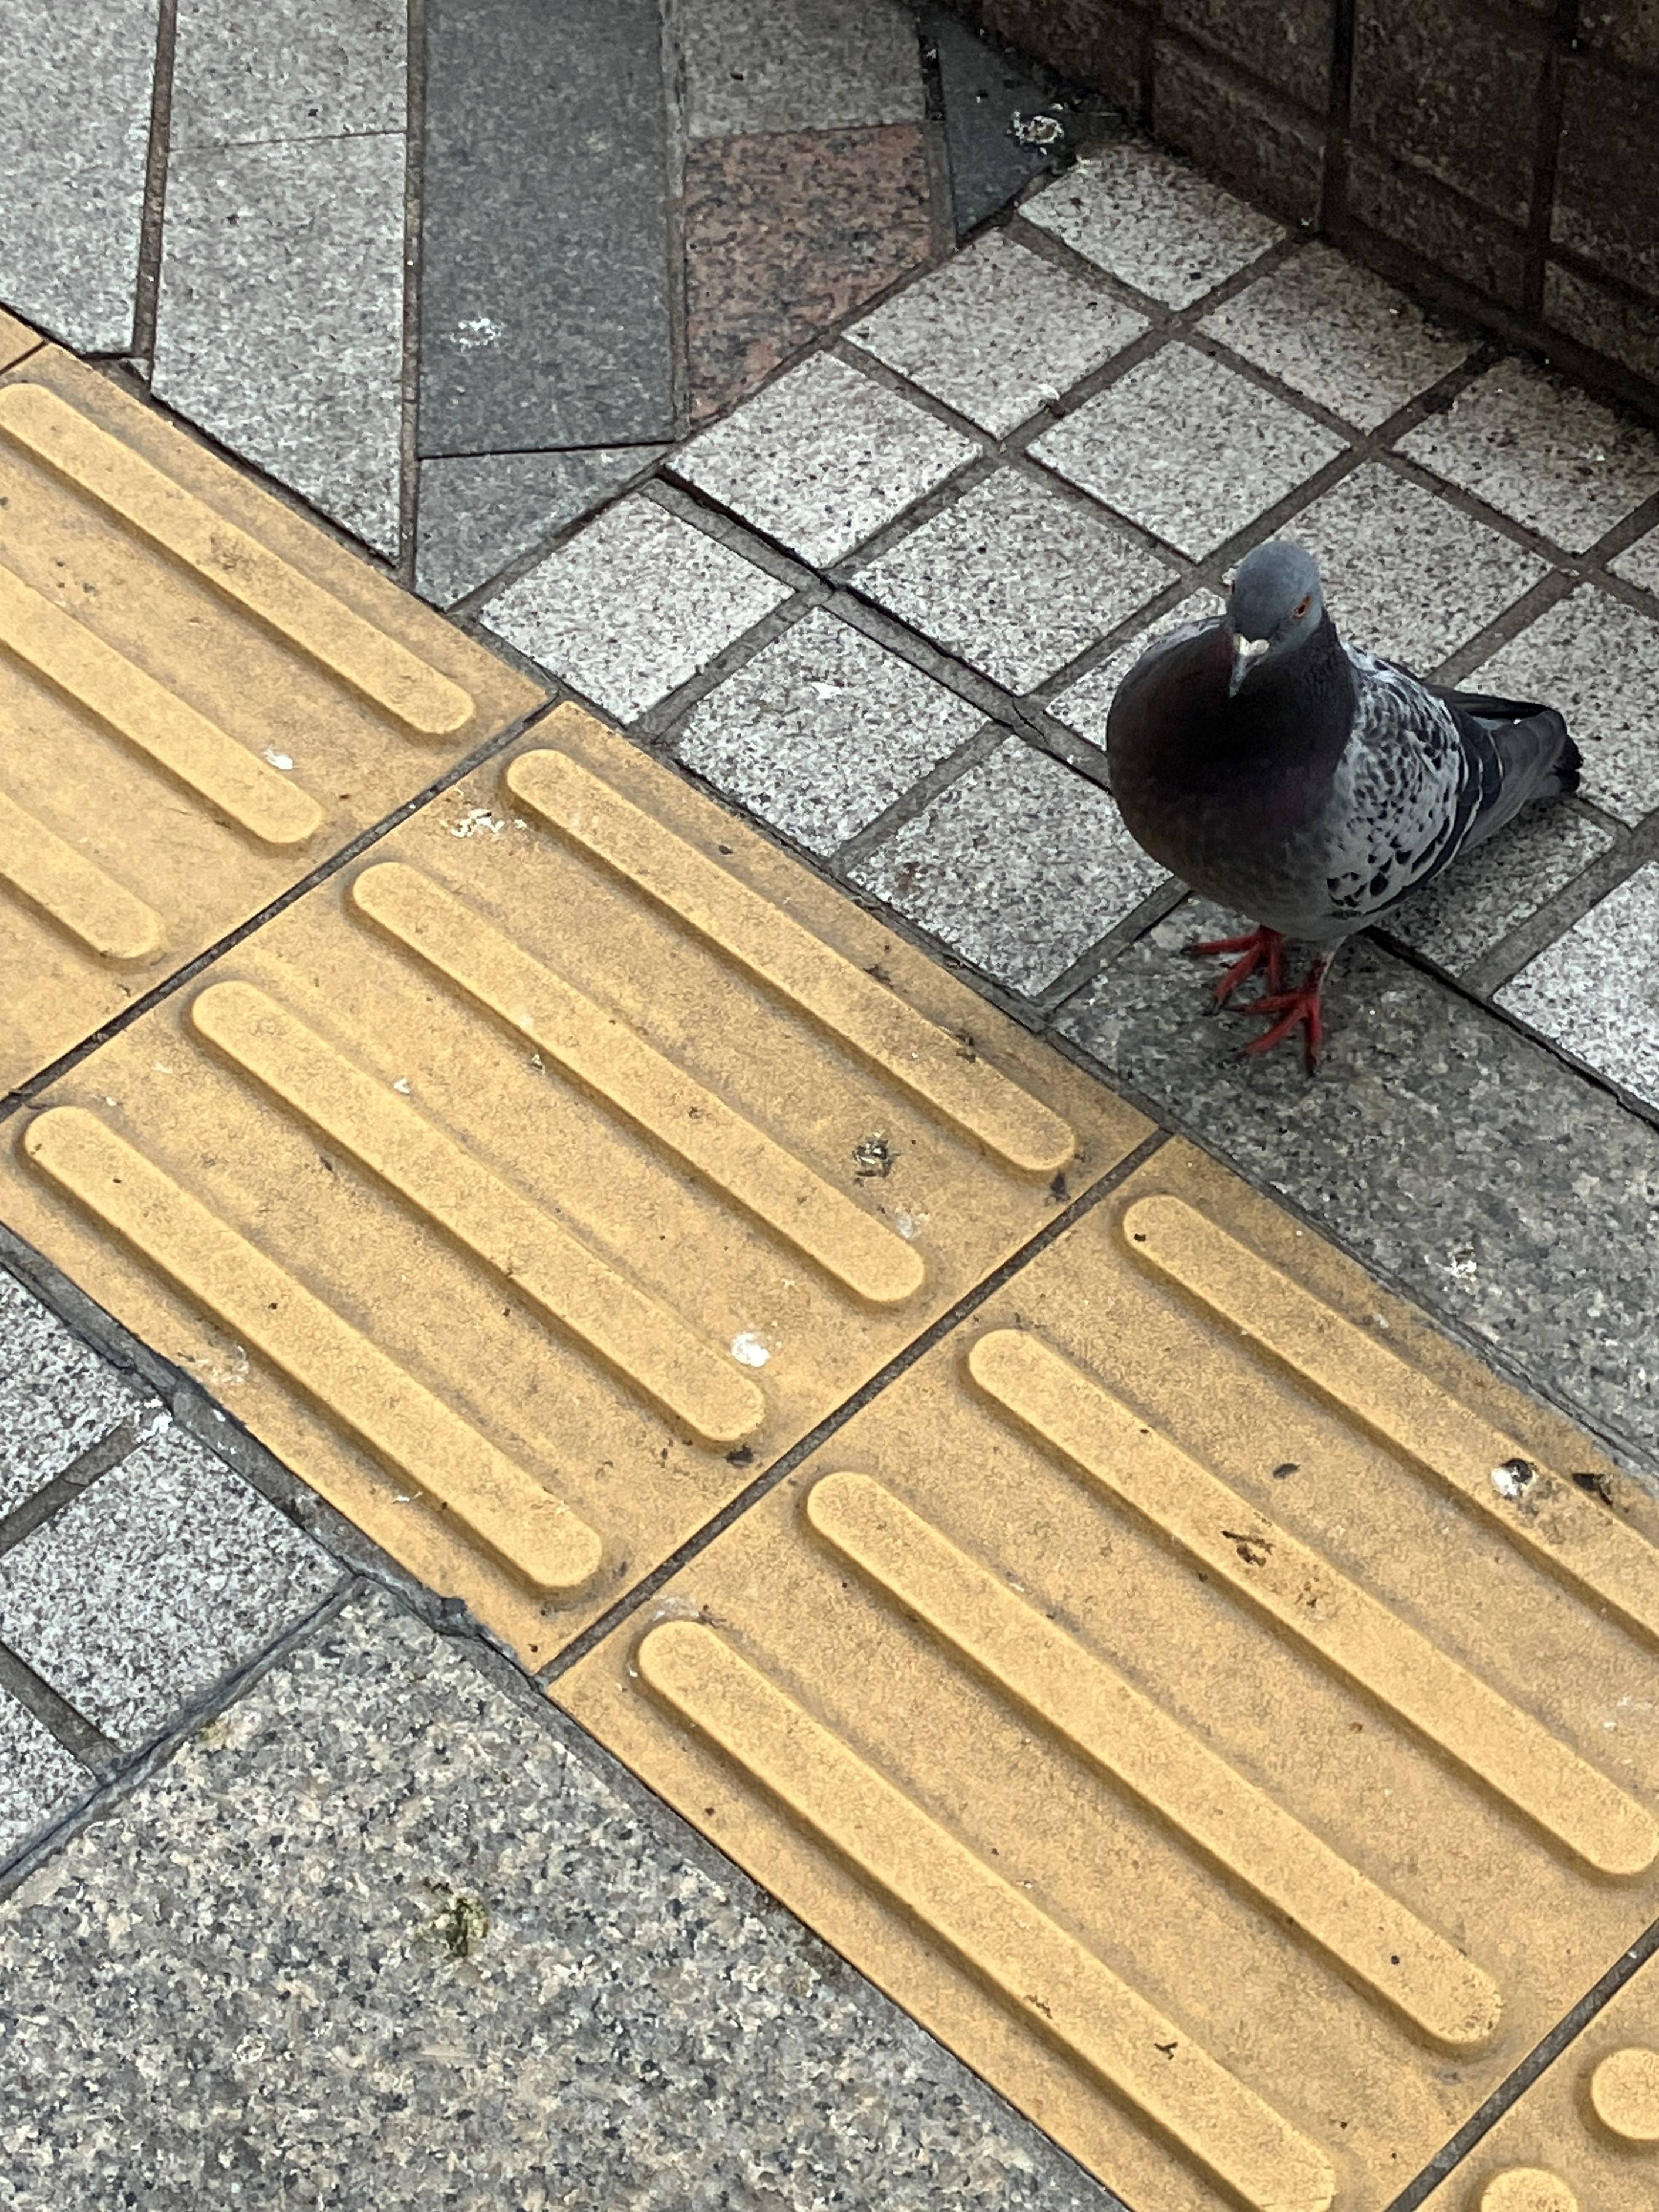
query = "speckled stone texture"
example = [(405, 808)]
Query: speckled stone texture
[(288, 69), (479, 512), (1016, 577), (822, 458), (166, 1575), (56, 1398), (998, 332), (822, 730), (1020, 866), (1154, 224), (1540, 450), (1597, 659), (1188, 449), (785, 234), (1478, 1173), (1640, 562), (1467, 913), (1405, 572), (1596, 991), (783, 65), (39, 1783), (633, 606), (1334, 330), (375, 1940), (1085, 705)]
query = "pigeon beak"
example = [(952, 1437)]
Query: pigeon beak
[(1245, 650)]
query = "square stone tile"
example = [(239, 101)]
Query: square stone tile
[(57, 1397), (633, 606), (1596, 991), (1085, 705), (1460, 917), (1337, 332), (1016, 577), (1020, 866), (823, 458), (821, 730), (1157, 226), (1540, 450), (1405, 572), (1640, 562), (290, 70), (39, 1780), (997, 332), (1597, 659), (479, 512), (375, 1937), (762, 65), (1187, 447), (163, 1577)]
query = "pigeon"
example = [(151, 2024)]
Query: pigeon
[(1307, 783)]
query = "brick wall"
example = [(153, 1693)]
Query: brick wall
[(1500, 157)]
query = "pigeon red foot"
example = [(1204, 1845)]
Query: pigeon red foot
[(1262, 948), (1299, 1008)]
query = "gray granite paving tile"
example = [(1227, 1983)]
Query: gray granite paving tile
[(822, 730), (1336, 331), (997, 332), (988, 100), (280, 318), (544, 228), (633, 606), (1187, 447), (74, 101), (39, 1780), (1460, 917), (1085, 705), (1020, 866), (1597, 659), (797, 64), (822, 458), (163, 1577), (1539, 449), (1640, 562), (1468, 1164), (57, 1397), (375, 1938), (1016, 577), (1596, 991), (477, 513), (1405, 572), (1152, 223), (287, 69)]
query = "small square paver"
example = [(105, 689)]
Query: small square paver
[(1085, 705), (1337, 332), (631, 608), (1460, 917), (1016, 577), (1162, 228), (997, 332), (1188, 448), (1020, 866), (39, 1780), (1597, 659), (821, 730), (163, 1577), (1541, 451), (823, 458), (1596, 991), (1405, 572), (57, 1397), (1639, 562)]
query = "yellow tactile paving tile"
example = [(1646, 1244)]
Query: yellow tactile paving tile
[(1584, 2136), (202, 697), (16, 339), (1197, 1690), (534, 1183)]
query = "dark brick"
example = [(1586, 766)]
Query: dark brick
[(1452, 92), (1604, 320), (1257, 144), (1093, 42), (1623, 30), (1288, 42), (1607, 183), (1458, 238)]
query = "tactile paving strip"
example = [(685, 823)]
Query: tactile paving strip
[(1584, 2137), (1217, 1707), (202, 697), (533, 1183)]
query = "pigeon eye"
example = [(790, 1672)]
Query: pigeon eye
[(1296, 613)]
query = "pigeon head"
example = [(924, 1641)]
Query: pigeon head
[(1274, 605)]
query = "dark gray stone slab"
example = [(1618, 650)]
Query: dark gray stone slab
[(478, 513), (376, 1940), (1472, 1169), (544, 228), (986, 97)]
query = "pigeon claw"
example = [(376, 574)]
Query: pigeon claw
[(1261, 948), (1290, 1010)]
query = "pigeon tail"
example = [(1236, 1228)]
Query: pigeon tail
[(1529, 754)]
